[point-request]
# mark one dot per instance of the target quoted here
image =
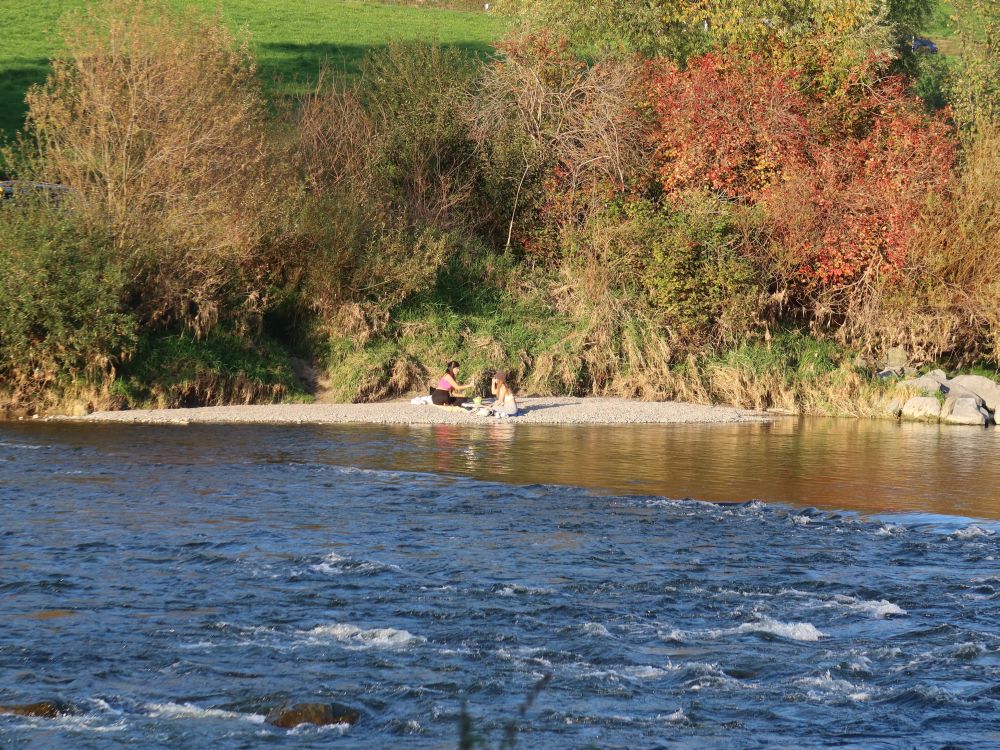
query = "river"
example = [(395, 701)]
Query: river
[(804, 583)]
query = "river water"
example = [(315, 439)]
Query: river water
[(813, 583)]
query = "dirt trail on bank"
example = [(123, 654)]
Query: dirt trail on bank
[(533, 411)]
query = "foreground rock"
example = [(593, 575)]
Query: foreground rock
[(984, 388), (319, 714), (40, 710), (964, 411)]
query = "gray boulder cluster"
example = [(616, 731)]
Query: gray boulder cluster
[(964, 399)]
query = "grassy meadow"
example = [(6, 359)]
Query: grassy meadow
[(291, 38)]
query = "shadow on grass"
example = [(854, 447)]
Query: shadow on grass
[(290, 63), (15, 80), (286, 69)]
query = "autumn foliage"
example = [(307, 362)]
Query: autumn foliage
[(842, 177), (732, 128)]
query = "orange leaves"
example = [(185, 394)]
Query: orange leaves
[(728, 127), (842, 177)]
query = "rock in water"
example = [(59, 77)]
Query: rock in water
[(320, 714), (966, 411), (922, 408), (988, 390), (41, 710)]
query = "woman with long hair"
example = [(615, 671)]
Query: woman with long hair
[(506, 403), (444, 393)]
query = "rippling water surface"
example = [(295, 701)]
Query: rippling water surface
[(172, 584)]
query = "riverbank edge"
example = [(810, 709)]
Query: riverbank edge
[(542, 410)]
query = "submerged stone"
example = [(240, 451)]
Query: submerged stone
[(41, 710), (320, 714)]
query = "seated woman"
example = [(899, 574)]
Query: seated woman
[(444, 393), (506, 404)]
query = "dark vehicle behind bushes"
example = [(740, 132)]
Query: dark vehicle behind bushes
[(10, 188)]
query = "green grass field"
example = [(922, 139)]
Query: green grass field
[(293, 38)]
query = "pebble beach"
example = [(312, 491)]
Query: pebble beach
[(533, 411)]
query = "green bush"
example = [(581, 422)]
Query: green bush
[(175, 369), (417, 96), (479, 310), (62, 317), (687, 257)]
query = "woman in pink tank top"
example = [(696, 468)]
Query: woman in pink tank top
[(444, 393)]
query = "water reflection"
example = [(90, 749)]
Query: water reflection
[(827, 463)]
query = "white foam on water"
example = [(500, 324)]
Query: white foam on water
[(796, 631), (309, 729), (967, 650), (595, 628), (878, 608), (21, 446), (801, 520), (795, 593), (825, 685), (197, 646), (890, 529), (625, 672), (89, 722), (516, 589), (972, 532), (677, 717), (191, 711), (336, 564), (523, 655), (356, 637)]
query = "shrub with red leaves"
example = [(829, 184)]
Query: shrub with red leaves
[(850, 212), (733, 128), (842, 177)]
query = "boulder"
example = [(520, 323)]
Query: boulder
[(922, 408), (41, 710), (929, 383), (965, 411), (320, 714), (956, 390), (893, 408), (986, 389), (896, 358)]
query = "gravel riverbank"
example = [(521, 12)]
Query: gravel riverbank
[(534, 411)]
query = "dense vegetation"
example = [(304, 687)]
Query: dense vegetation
[(646, 199)]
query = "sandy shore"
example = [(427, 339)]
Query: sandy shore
[(534, 411)]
